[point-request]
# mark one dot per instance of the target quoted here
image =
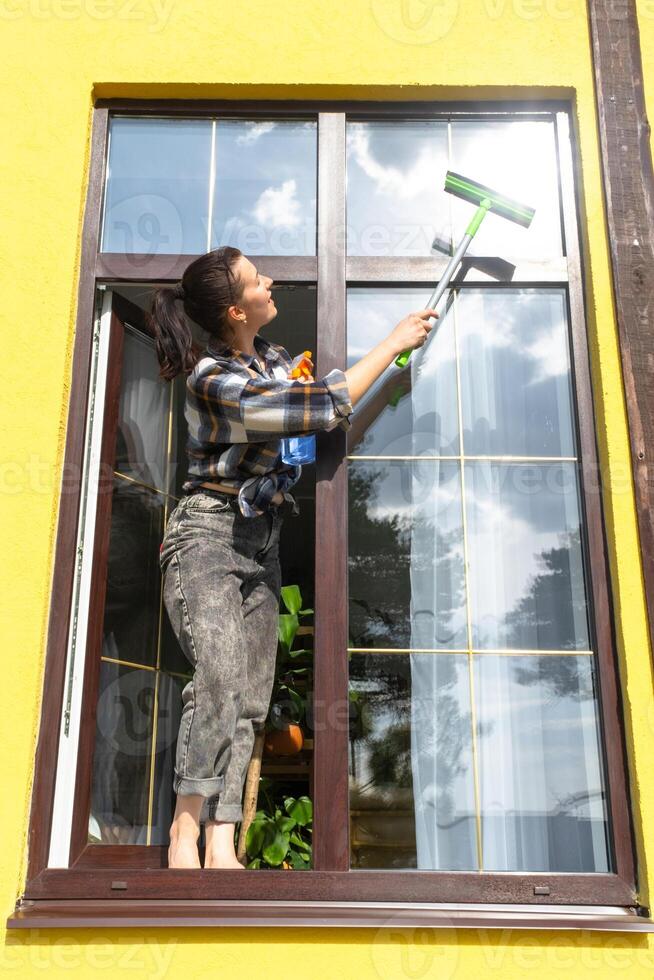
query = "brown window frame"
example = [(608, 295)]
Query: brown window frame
[(109, 884)]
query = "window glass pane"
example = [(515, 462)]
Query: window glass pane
[(533, 739), (412, 412), (157, 191), (543, 807), (156, 448), (131, 618), (515, 372), (411, 775), (516, 158), (396, 204), (178, 436), (265, 187), (169, 712), (133, 782), (406, 555), (122, 755), (525, 562), (142, 437)]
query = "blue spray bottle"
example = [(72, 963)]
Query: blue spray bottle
[(299, 449)]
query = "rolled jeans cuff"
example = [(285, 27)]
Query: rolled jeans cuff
[(227, 813), (186, 786)]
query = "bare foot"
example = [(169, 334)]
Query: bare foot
[(183, 853), (222, 861)]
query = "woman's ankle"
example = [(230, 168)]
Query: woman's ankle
[(184, 827)]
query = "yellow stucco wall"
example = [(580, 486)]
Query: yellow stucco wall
[(645, 10), (56, 55)]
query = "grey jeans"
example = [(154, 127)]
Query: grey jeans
[(221, 587)]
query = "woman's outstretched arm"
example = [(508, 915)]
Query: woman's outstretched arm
[(411, 332)]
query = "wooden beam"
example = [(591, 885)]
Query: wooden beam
[(629, 199)]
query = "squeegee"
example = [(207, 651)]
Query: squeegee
[(486, 200)]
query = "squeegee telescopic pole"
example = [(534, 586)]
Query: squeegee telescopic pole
[(452, 266)]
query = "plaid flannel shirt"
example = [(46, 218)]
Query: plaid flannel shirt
[(237, 416)]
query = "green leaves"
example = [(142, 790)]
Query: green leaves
[(292, 598), (275, 850), (288, 623), (273, 839), (286, 630), (293, 684), (301, 810), (255, 838), (281, 833)]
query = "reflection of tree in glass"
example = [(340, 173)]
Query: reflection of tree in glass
[(390, 757), (550, 613), (378, 566), (554, 604), (387, 689), (381, 567), (383, 733)]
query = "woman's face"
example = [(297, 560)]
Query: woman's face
[(256, 303)]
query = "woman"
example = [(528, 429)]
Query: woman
[(219, 556)]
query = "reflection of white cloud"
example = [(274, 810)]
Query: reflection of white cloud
[(438, 351), (493, 322), (531, 325), (254, 132), (278, 205), (417, 502), (423, 175), (506, 558), (550, 353), (367, 326)]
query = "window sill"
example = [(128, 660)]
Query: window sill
[(126, 913)]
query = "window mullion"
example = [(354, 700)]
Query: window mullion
[(487, 271), (331, 836)]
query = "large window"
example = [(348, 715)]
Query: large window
[(466, 711)]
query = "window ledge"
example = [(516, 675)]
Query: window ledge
[(125, 913)]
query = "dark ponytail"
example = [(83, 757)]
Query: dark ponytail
[(207, 289)]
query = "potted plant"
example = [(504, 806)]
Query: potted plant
[(280, 834), (293, 681)]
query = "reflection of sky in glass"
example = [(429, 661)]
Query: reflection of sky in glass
[(515, 372), (526, 572), (516, 158), (157, 198), (539, 767), (396, 204), (424, 422), (265, 188)]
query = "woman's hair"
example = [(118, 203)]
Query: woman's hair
[(207, 289)]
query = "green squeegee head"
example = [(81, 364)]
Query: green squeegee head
[(486, 199), (476, 193)]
